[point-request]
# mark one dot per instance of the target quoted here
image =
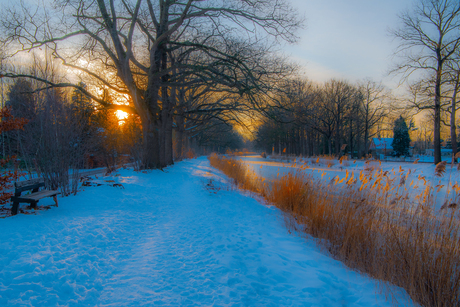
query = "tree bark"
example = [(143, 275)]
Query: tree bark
[(437, 114), (358, 141), (168, 128), (337, 135), (151, 125), (151, 154), (453, 127), (366, 138), (179, 137)]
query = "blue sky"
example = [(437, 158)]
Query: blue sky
[(345, 39), (348, 39)]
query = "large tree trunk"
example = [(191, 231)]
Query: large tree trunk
[(157, 89), (163, 125), (437, 117), (165, 131), (179, 137), (437, 134), (151, 154), (180, 125), (453, 128), (151, 126), (453, 135), (168, 128), (165, 138)]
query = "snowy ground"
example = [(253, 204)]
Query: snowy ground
[(418, 176), (178, 237)]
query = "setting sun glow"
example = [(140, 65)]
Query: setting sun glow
[(121, 115)]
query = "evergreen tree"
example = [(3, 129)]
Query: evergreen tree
[(81, 106), (82, 114), (21, 99), (401, 138)]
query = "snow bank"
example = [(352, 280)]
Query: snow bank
[(177, 237)]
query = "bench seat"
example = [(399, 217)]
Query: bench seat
[(33, 197)]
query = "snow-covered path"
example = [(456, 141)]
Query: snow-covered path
[(169, 239)]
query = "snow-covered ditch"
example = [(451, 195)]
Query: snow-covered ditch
[(178, 237)]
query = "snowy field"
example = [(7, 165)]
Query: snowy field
[(418, 176), (178, 237)]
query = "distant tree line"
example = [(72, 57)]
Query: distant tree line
[(328, 117), (334, 118)]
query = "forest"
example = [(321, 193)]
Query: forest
[(154, 81)]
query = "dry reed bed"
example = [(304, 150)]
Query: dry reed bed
[(370, 224)]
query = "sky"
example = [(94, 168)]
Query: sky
[(347, 39)]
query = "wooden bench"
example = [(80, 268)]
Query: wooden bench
[(86, 174), (34, 185)]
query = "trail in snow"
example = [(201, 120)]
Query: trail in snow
[(169, 239)]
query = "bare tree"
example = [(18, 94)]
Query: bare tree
[(338, 97), (453, 89), (126, 47), (429, 38), (372, 108)]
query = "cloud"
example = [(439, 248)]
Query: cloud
[(346, 39)]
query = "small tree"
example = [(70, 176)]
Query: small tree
[(401, 138), (8, 123)]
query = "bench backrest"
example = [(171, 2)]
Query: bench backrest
[(92, 172), (31, 184)]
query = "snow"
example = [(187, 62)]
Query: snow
[(422, 174), (178, 237)]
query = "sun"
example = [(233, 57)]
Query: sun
[(121, 115)]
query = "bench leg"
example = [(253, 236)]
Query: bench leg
[(55, 200), (14, 209), (34, 205)]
